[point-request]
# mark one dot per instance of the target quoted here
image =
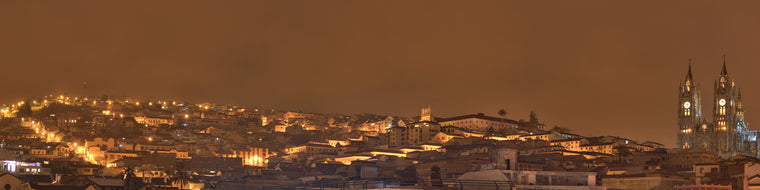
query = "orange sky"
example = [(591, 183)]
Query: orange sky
[(597, 67)]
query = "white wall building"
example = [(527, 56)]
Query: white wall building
[(478, 122)]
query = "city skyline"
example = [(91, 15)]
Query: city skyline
[(597, 75), (428, 94)]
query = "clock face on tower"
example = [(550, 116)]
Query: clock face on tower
[(686, 105), (722, 102)]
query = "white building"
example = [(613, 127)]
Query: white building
[(478, 122)]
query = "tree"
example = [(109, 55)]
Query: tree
[(653, 163), (490, 131), (532, 121), (560, 129), (506, 131), (533, 117), (8, 122), (61, 168), (25, 110), (131, 181), (502, 112), (181, 177)]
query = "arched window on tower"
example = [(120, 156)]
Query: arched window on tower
[(722, 125)]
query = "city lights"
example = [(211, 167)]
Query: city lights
[(379, 95)]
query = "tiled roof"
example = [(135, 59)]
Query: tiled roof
[(600, 144), (59, 187), (36, 178), (107, 182), (431, 122), (477, 116), (565, 140)]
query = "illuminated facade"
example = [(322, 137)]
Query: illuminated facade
[(727, 134), (31, 168), (378, 126), (250, 156), (253, 156), (154, 121), (416, 133), (479, 122)]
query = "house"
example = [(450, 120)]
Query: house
[(12, 182), (704, 186), (251, 156), (606, 148), (573, 144), (738, 172), (489, 179), (19, 167), (443, 137), (685, 159), (111, 156), (63, 187), (479, 122), (655, 181), (107, 183), (461, 131), (751, 177), (316, 148), (362, 170), (752, 183), (178, 154), (653, 144), (544, 136), (379, 126), (205, 164), (107, 144), (86, 169), (154, 121)]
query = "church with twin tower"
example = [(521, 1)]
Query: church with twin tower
[(727, 134)]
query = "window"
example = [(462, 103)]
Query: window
[(542, 180)]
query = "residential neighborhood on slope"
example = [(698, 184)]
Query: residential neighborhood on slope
[(57, 142)]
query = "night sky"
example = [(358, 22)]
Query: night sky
[(596, 67)]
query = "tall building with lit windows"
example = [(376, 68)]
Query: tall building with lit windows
[(727, 134), (416, 133)]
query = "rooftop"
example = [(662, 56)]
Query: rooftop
[(477, 116)]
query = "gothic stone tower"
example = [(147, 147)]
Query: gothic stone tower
[(727, 134), (724, 113), (728, 116), (725, 103), (689, 111)]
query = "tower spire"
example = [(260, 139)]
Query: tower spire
[(739, 94), (723, 72), (688, 75)]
